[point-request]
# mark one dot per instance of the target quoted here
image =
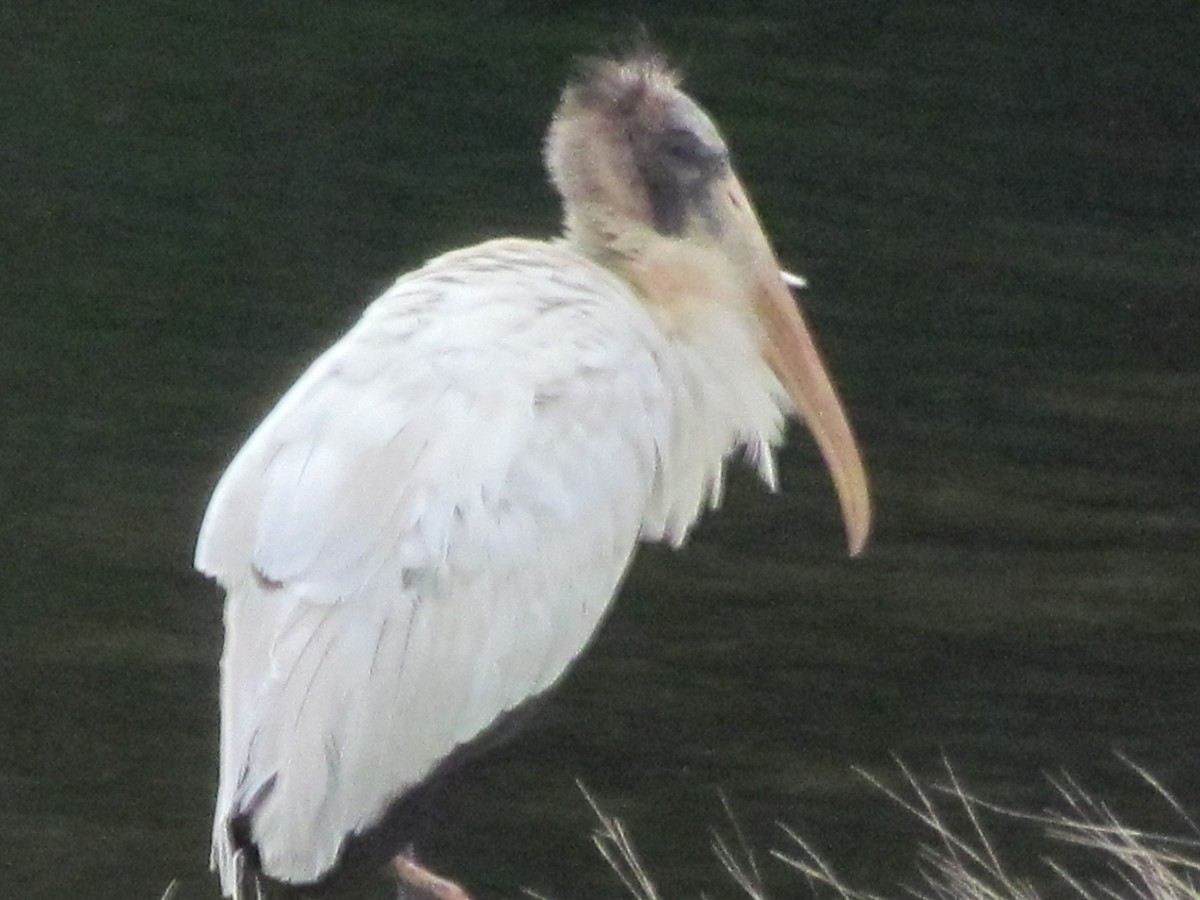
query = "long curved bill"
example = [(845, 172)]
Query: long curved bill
[(790, 351)]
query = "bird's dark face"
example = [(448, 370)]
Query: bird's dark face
[(679, 158)]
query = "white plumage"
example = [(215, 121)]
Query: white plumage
[(430, 525)]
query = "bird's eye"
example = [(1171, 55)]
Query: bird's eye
[(684, 147)]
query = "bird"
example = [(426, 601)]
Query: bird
[(426, 531)]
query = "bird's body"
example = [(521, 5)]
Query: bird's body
[(445, 503), (430, 525)]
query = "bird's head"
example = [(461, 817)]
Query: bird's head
[(649, 191)]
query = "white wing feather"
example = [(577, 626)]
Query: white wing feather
[(430, 525)]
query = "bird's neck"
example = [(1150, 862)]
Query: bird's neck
[(721, 392), (677, 280)]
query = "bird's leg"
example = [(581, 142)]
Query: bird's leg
[(414, 874)]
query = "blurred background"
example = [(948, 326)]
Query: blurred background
[(998, 208)]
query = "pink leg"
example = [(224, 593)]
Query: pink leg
[(412, 873)]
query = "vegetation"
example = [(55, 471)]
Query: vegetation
[(962, 862)]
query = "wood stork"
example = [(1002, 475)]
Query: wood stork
[(430, 525)]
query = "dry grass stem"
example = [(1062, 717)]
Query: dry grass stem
[(962, 862), (618, 851), (738, 857)]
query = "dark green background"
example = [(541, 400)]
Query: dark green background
[(998, 206)]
